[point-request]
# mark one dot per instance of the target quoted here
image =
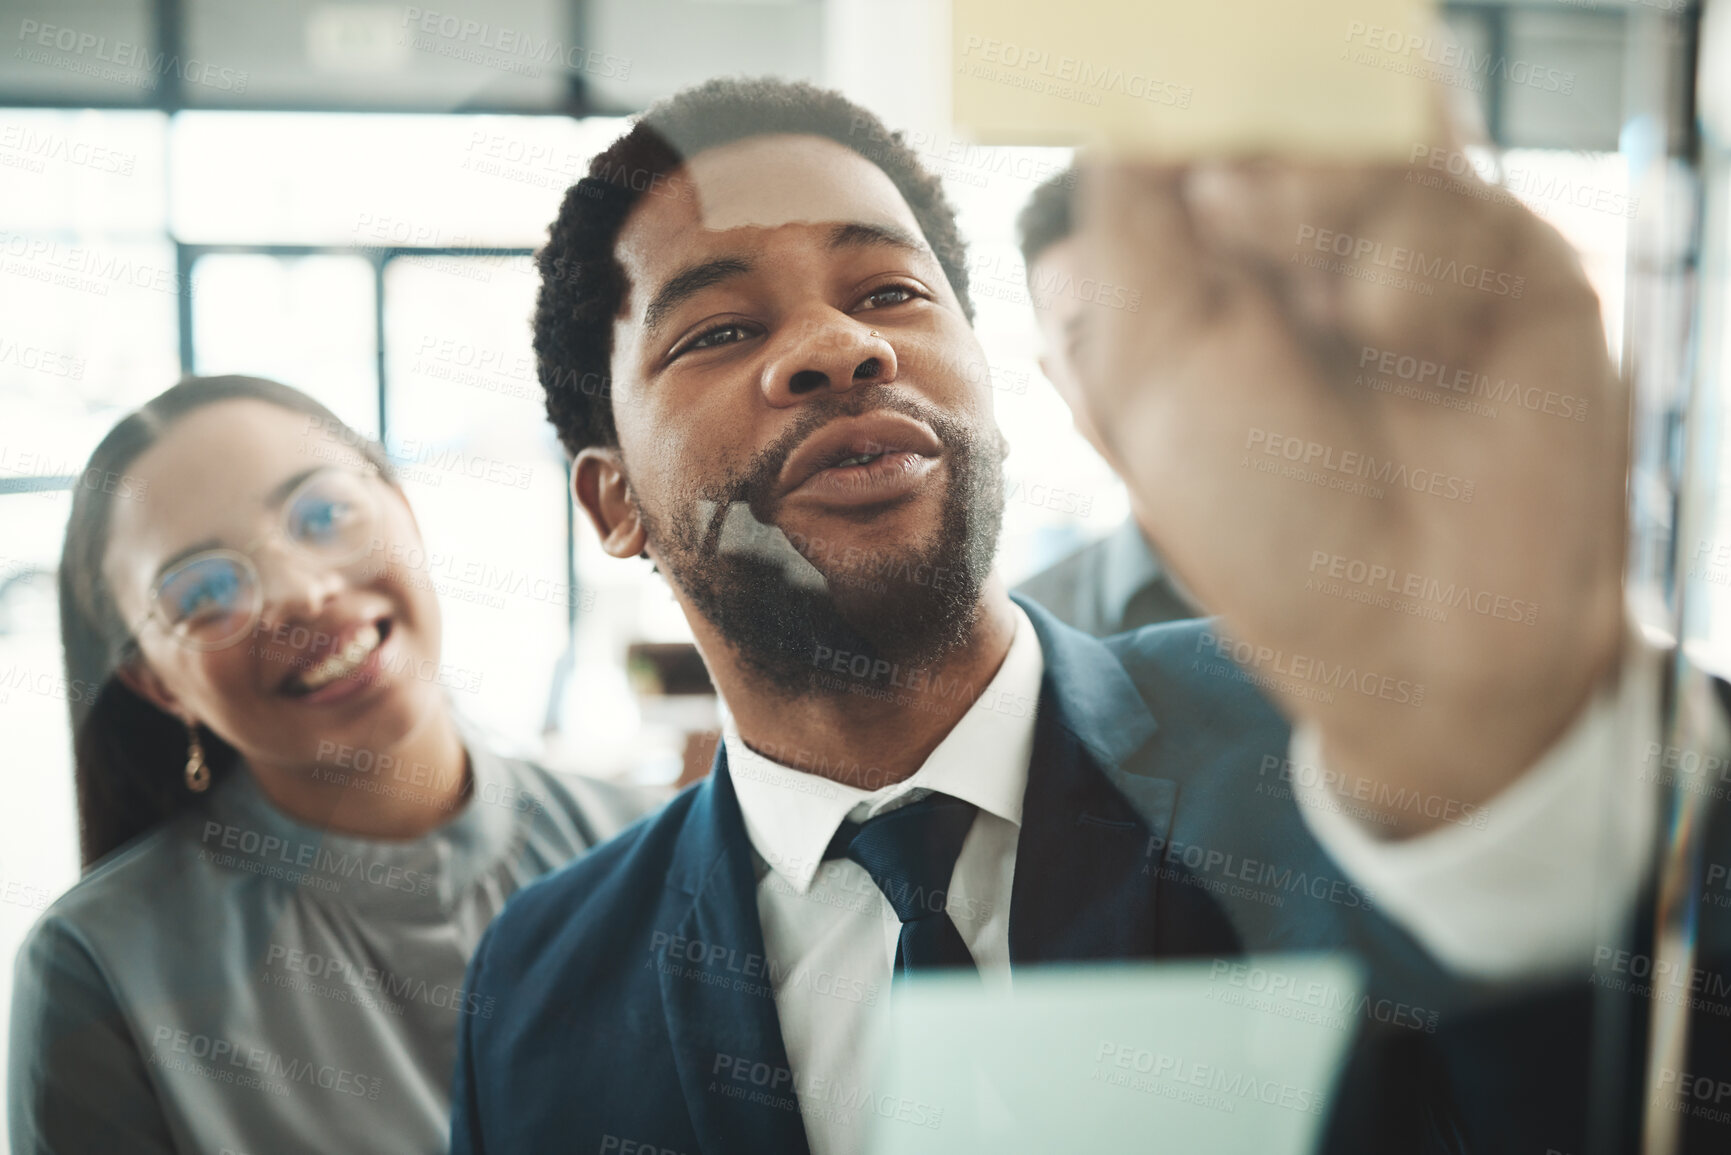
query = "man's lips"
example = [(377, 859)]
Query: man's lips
[(857, 455)]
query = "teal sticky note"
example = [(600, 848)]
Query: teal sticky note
[(1232, 1055)]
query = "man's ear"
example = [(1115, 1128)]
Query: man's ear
[(143, 681), (599, 484)]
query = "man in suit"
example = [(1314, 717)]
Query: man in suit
[(754, 335), (1117, 583)]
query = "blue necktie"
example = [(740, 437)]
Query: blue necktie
[(910, 853)]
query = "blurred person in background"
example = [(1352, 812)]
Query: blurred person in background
[(1117, 583), (291, 841)]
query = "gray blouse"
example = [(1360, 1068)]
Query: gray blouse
[(237, 983)]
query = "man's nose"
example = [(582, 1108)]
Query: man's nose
[(827, 354)]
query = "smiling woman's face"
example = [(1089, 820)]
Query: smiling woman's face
[(345, 648)]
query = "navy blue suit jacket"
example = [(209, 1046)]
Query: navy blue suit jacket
[(1156, 824)]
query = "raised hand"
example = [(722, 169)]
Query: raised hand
[(1373, 424)]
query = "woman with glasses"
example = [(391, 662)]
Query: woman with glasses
[(291, 842)]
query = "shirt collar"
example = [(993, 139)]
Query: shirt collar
[(791, 812)]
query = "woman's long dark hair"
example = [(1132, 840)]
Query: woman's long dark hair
[(129, 757)]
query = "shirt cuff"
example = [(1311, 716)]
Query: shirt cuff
[(1526, 884)]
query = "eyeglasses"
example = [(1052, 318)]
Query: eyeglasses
[(213, 599)]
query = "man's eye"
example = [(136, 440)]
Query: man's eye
[(889, 295), (720, 335)]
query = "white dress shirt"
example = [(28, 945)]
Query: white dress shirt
[(1554, 863), (829, 933), (1550, 873)]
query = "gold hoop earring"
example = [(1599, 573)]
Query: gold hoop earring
[(197, 772)]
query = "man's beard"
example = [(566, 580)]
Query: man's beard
[(784, 604)]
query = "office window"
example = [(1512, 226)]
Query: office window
[(307, 321), (486, 478)]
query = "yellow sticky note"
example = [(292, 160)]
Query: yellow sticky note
[(1337, 79)]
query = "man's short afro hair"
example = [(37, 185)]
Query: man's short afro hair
[(582, 284)]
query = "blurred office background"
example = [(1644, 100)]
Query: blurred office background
[(345, 196)]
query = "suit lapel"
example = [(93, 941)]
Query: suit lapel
[(1081, 891), (715, 987), (1082, 888)]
